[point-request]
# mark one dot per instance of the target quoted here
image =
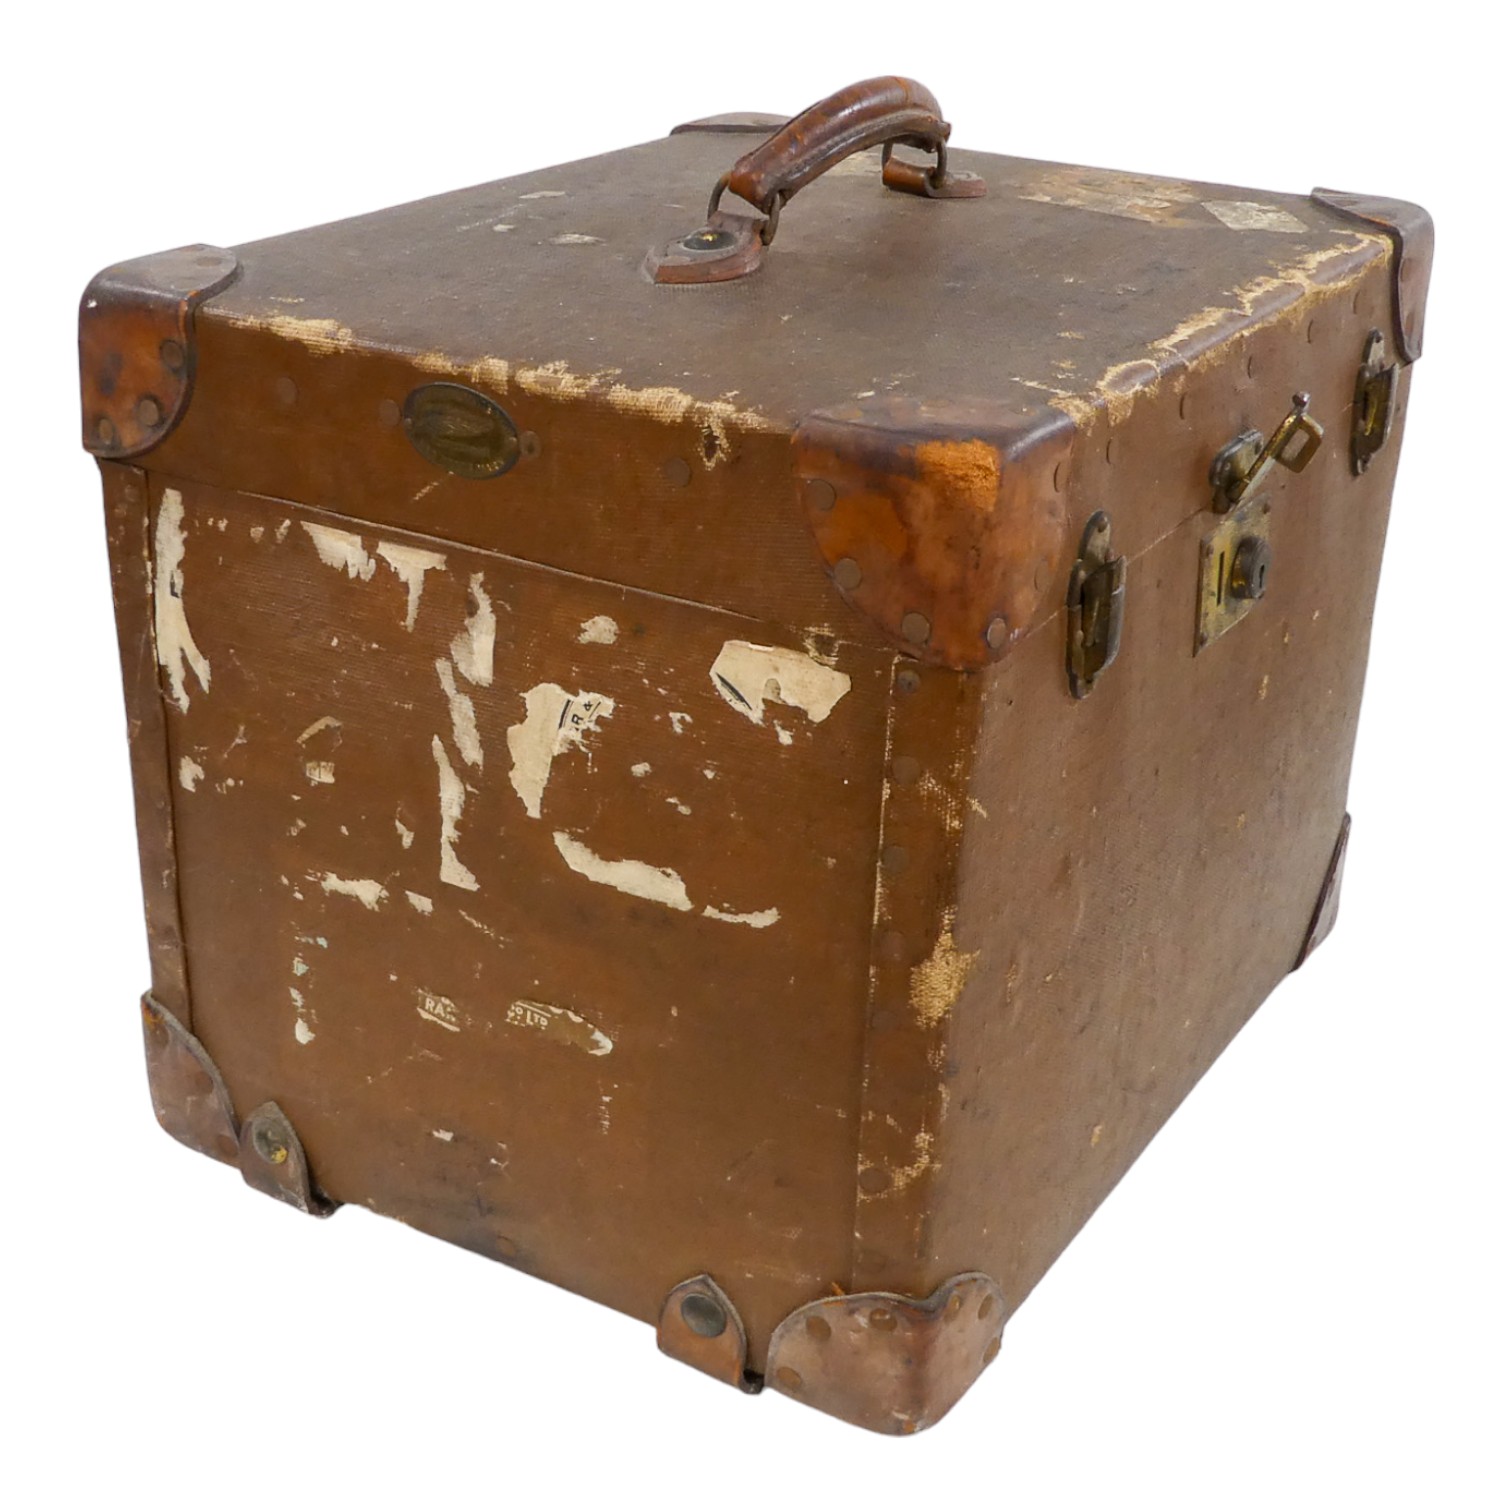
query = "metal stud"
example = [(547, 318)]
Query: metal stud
[(703, 1315)]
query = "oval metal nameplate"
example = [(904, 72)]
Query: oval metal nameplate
[(461, 430)]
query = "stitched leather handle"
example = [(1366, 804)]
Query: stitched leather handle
[(876, 112)]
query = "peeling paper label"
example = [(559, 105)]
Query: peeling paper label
[(1246, 215), (763, 920), (748, 677), (560, 1024), (367, 891), (598, 631), (453, 798), (175, 641), (639, 879), (190, 773), (473, 648), (464, 717), (342, 550), (436, 1009), (555, 721), (411, 564)]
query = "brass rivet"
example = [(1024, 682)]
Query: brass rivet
[(788, 1378), (388, 412), (677, 472), (286, 391), (703, 1315), (915, 628), (874, 1179), (819, 495), (530, 445), (149, 412), (105, 430), (906, 769), (172, 354), (908, 681), (882, 1320), (953, 1306), (895, 858), (997, 633), (816, 1328), (985, 1308), (848, 573), (991, 1352), (269, 1145)]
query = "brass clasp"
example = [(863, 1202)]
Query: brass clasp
[(1239, 468)]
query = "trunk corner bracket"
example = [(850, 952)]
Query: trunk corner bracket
[(886, 1362)]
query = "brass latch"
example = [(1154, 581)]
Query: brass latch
[(1239, 468), (1094, 607), (1235, 562), (1375, 402)]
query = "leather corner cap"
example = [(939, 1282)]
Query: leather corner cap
[(942, 523), (136, 345)]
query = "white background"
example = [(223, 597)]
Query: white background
[(1298, 1297)]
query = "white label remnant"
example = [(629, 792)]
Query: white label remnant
[(555, 721), (748, 677), (190, 772), (560, 1024), (302, 1032), (175, 642), (1246, 215), (763, 920), (411, 564), (464, 718), (419, 902), (598, 631), (342, 550), (453, 797), (367, 891), (657, 884), (438, 1010), (473, 648)]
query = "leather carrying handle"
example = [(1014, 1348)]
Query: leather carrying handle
[(876, 112), (852, 120)]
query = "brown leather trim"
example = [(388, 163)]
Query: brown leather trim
[(941, 523), (273, 1162), (1410, 228), (1326, 913), (700, 1326), (188, 1093), (889, 1363), (128, 528), (136, 345)]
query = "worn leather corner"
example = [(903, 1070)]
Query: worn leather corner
[(189, 1096), (1410, 228), (136, 345), (942, 523), (886, 1362)]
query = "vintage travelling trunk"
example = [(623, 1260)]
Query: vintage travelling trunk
[(746, 770)]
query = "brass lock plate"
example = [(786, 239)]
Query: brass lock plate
[(1234, 568)]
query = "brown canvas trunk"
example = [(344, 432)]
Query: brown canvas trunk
[(746, 780)]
